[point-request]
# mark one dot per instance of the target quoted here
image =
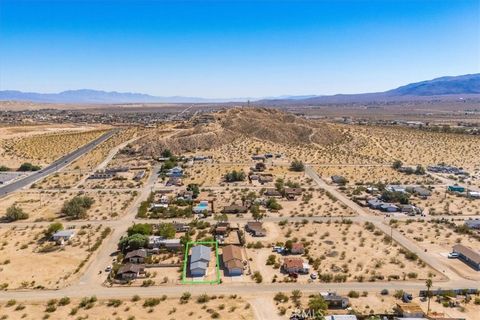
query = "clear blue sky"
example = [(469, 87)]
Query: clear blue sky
[(235, 48)]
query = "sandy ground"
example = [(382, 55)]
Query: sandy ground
[(46, 205), (439, 239), (370, 255), (25, 265), (227, 307), (43, 148)]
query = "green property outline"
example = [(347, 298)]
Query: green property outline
[(217, 265)]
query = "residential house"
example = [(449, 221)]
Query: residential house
[(272, 193), (222, 228), (232, 260), (265, 178), (396, 188), (101, 174), (181, 227), (374, 203), (174, 181), (139, 175), (388, 207), (235, 209), (338, 179), (335, 301), (421, 192), (136, 256), (473, 224), (292, 193), (409, 310), (130, 271), (185, 195), (63, 235), (473, 194), (199, 260), (295, 265), (157, 242), (258, 157), (255, 228), (175, 172), (297, 248), (468, 255)]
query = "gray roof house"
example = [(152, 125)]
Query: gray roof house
[(63, 235), (199, 260), (473, 224), (136, 256)]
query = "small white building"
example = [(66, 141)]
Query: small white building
[(63, 235)]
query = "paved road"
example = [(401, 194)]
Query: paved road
[(56, 165)]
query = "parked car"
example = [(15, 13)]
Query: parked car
[(384, 292), (108, 269), (453, 255), (313, 276)]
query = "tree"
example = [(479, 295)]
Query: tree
[(4, 168), (318, 305), (140, 228), (52, 228), (166, 230), (397, 164), (420, 170), (429, 284), (134, 242), (256, 214), (235, 176), (15, 213), (166, 153), (272, 204), (27, 166), (77, 207), (194, 188), (297, 166), (288, 245)]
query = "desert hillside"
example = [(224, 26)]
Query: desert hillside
[(227, 126)]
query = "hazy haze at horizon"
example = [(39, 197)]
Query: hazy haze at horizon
[(234, 49)]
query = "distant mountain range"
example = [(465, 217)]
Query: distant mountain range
[(439, 87)]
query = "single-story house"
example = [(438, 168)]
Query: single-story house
[(185, 195), (388, 207), (130, 271), (172, 244), (256, 229), (295, 265), (63, 235), (335, 301), (181, 227), (338, 179), (102, 175), (265, 178), (235, 209), (258, 157), (199, 260), (421, 192), (136, 256), (456, 189), (473, 224), (372, 189), (297, 248), (408, 208), (174, 181), (175, 172), (139, 175), (396, 188), (222, 228), (157, 242), (468, 255), (292, 193), (374, 203), (272, 193), (409, 310), (233, 260)]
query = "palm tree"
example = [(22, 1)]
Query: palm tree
[(429, 284)]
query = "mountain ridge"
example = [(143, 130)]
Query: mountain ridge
[(468, 84)]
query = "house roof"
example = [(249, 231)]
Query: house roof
[(131, 268), (272, 192), (293, 263), (64, 233), (230, 253), (297, 246), (235, 208), (198, 265), (467, 252), (256, 226), (200, 253), (140, 253), (296, 191)]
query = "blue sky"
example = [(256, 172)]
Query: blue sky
[(221, 49)]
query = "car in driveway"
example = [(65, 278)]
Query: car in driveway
[(108, 269), (453, 255)]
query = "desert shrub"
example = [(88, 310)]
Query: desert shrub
[(76, 208), (15, 213)]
